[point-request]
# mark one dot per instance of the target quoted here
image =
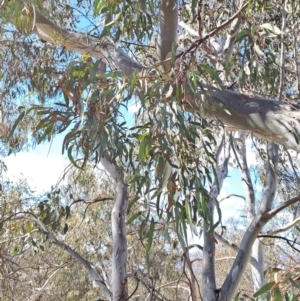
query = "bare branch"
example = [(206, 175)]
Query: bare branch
[(232, 280), (270, 214), (249, 189), (197, 43), (231, 195), (284, 228), (96, 200), (40, 290), (73, 253), (232, 246), (225, 258), (290, 242)]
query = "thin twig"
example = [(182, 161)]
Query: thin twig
[(289, 241), (230, 195)]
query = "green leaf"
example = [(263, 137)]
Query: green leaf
[(71, 157), (272, 28), (258, 51), (296, 137), (66, 228), (21, 116), (145, 148), (212, 72), (236, 297), (166, 174), (16, 250), (188, 213), (173, 55), (134, 217), (276, 294), (132, 202), (264, 289), (242, 34), (150, 235)]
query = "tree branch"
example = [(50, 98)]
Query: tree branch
[(288, 241), (284, 228), (232, 280), (231, 195), (73, 253), (232, 246), (270, 214)]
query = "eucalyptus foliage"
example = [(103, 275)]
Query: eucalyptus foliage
[(194, 71)]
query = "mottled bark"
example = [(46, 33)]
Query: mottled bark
[(118, 220)]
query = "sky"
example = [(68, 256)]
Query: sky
[(42, 167)]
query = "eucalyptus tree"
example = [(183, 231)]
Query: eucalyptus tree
[(196, 71)]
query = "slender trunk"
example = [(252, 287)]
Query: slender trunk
[(257, 262), (119, 256), (263, 215), (208, 262), (208, 266), (258, 270), (118, 218)]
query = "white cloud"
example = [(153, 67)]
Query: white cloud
[(41, 172), (134, 107), (41, 166)]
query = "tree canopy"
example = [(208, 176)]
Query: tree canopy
[(204, 77)]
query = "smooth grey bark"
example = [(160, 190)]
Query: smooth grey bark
[(100, 49), (261, 218), (118, 219), (265, 118), (167, 30), (209, 244), (258, 268), (208, 261)]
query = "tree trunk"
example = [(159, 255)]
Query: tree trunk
[(118, 219)]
